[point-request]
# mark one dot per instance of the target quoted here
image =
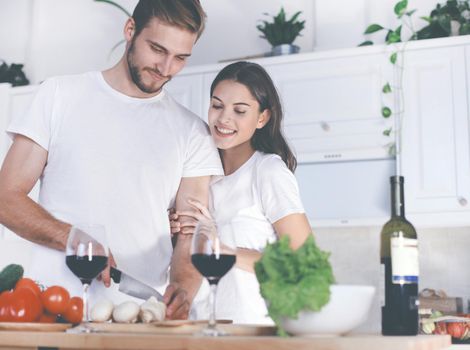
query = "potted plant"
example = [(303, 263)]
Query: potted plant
[(13, 74), (451, 18), (282, 32)]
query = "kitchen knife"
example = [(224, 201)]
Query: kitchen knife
[(135, 288)]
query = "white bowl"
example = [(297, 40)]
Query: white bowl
[(347, 309)]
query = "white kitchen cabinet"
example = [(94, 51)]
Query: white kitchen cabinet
[(332, 107), (187, 90), (436, 151)]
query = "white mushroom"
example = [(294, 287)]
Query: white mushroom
[(126, 312), (152, 310), (102, 311)]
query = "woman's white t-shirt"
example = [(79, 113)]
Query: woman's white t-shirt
[(262, 191)]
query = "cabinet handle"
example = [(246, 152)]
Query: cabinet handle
[(325, 126), (463, 201)]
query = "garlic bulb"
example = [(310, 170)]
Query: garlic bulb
[(126, 312), (152, 310), (102, 311)]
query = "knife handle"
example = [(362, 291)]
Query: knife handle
[(115, 275)]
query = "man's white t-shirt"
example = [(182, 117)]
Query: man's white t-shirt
[(249, 201), (117, 161)]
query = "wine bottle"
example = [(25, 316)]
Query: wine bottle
[(400, 268)]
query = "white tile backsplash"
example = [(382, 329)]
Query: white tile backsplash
[(443, 253)]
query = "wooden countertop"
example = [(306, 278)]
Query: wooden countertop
[(16, 340)]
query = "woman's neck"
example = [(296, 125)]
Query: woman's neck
[(234, 158)]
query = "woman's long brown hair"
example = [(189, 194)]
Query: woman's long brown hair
[(268, 139)]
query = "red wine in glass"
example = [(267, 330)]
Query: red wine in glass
[(213, 254), (86, 255), (213, 267), (86, 268)]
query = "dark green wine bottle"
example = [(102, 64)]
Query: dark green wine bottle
[(400, 268)]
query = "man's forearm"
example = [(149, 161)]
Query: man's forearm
[(182, 272), (29, 220)]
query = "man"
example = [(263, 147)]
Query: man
[(113, 148)]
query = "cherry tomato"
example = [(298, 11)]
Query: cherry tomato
[(74, 312), (5, 305), (25, 306), (47, 318), (456, 329), (28, 283), (441, 328), (55, 299)]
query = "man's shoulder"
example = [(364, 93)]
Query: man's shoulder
[(71, 79), (183, 113)]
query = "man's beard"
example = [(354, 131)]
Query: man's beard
[(136, 76)]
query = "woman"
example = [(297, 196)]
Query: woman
[(259, 193)]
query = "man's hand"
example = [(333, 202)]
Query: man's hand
[(177, 303), (105, 275)]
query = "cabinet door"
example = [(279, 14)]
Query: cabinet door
[(332, 107), (187, 90), (435, 156)]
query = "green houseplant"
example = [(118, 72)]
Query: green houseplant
[(453, 13), (451, 18), (394, 89), (282, 32)]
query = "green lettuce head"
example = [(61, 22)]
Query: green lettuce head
[(292, 281)]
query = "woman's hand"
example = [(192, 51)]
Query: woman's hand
[(192, 218)]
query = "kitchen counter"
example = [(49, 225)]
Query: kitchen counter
[(16, 340)]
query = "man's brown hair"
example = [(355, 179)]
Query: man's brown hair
[(184, 14)]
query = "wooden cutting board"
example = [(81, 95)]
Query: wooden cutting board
[(34, 327), (181, 327)]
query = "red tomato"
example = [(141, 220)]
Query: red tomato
[(28, 283), (440, 328), (5, 305), (55, 299), (74, 312), (25, 306), (456, 329), (47, 318)]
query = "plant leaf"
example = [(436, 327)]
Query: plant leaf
[(387, 88), (387, 132), (393, 37), (373, 28), (444, 22), (393, 57), (386, 112), (400, 8), (426, 18), (410, 13), (366, 43)]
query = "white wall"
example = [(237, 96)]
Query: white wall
[(69, 36), (15, 25)]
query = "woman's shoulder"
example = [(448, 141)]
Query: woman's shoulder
[(268, 163)]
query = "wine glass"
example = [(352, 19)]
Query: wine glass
[(86, 256), (213, 253)]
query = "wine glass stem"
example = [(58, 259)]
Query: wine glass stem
[(212, 321), (86, 316)]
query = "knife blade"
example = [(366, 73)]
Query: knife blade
[(133, 287)]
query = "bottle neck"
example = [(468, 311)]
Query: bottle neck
[(398, 196)]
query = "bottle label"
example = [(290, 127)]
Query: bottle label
[(382, 285), (405, 263)]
